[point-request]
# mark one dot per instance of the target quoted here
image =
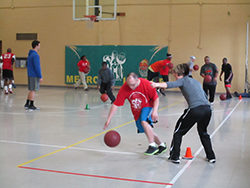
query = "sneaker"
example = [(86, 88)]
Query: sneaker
[(26, 106), (162, 92), (161, 149), (33, 108), (175, 161), (10, 91), (6, 92), (211, 160), (151, 150), (86, 89)]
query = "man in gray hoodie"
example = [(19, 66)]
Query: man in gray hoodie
[(106, 81)]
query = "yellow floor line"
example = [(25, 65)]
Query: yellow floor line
[(89, 138)]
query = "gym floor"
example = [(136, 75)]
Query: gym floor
[(62, 145)]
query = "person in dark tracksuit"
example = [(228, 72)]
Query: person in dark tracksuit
[(106, 81), (198, 111), (228, 76)]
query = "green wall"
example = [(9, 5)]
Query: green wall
[(121, 59)]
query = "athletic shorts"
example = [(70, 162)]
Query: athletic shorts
[(152, 75), (145, 116), (228, 84), (33, 83), (8, 74)]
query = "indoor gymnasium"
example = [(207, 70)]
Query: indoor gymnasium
[(67, 66)]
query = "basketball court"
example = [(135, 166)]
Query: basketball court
[(62, 144)]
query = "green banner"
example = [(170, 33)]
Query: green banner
[(121, 60)]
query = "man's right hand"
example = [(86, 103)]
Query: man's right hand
[(40, 80), (106, 124), (98, 87)]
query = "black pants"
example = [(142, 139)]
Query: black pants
[(152, 75), (200, 115), (211, 90), (106, 88), (165, 78)]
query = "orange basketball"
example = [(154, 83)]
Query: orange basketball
[(86, 70), (104, 97), (170, 65), (112, 138), (196, 67), (223, 97), (143, 64), (208, 78)]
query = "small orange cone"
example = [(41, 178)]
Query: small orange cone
[(240, 97), (188, 155)]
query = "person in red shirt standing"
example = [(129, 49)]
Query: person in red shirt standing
[(8, 60), (84, 68), (144, 103)]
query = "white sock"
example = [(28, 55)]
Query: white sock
[(10, 86), (2, 83), (162, 144), (153, 144), (6, 88)]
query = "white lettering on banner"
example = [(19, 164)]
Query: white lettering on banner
[(116, 61)]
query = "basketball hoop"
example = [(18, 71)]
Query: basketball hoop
[(90, 20)]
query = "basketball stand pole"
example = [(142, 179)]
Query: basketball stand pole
[(247, 85)]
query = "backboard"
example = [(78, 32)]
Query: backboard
[(103, 9)]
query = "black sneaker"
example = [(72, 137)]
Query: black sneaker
[(26, 106), (33, 108), (162, 92), (161, 149), (151, 150), (175, 161)]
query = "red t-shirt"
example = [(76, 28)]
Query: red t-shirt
[(7, 60), (164, 71), (143, 96), (82, 65), (157, 66)]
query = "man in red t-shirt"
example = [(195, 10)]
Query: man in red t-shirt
[(84, 68), (144, 103), (8, 60)]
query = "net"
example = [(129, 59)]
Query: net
[(90, 21)]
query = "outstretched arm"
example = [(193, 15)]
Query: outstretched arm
[(112, 111), (161, 85)]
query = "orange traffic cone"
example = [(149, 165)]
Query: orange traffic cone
[(240, 97), (188, 154)]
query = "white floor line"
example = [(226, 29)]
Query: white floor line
[(69, 110), (178, 175), (74, 148)]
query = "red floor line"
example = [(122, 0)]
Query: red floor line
[(95, 176)]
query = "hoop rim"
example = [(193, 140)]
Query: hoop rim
[(91, 17)]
